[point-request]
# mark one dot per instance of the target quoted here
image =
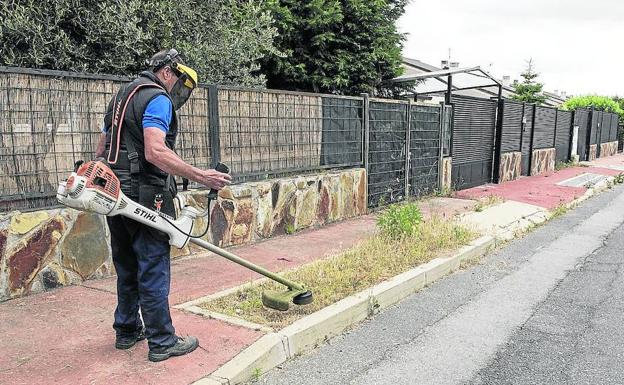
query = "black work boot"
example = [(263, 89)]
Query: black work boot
[(126, 342), (182, 346)]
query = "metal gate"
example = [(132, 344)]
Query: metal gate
[(474, 122)]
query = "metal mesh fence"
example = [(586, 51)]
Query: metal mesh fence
[(264, 132), (425, 149), (386, 177)]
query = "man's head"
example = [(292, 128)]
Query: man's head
[(179, 79)]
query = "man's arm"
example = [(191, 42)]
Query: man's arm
[(158, 154)]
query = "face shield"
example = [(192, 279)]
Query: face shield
[(184, 86)]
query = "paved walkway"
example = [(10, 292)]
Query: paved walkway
[(544, 190), (65, 336)]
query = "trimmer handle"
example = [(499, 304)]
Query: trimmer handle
[(221, 168)]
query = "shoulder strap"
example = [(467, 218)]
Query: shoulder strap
[(120, 105)]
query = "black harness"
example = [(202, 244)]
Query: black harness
[(126, 148)]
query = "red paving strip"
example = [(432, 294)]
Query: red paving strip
[(540, 190), (65, 337)]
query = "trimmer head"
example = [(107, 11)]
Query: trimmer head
[(280, 300)]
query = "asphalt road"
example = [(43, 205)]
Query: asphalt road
[(546, 309)]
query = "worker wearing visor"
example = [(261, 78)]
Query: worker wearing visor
[(138, 140)]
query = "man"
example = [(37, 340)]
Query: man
[(138, 138)]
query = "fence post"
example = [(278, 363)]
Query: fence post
[(532, 138), (498, 144), (590, 128), (441, 147), (214, 129), (407, 148), (366, 146), (571, 143)]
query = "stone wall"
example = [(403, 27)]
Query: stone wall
[(510, 166), (543, 161), (608, 149), (47, 249), (593, 152), (447, 169)]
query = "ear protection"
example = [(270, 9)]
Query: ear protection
[(168, 59)]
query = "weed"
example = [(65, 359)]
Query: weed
[(400, 220), (444, 192), (255, 376), (559, 211), (289, 228), (618, 179), (563, 165), (490, 200)]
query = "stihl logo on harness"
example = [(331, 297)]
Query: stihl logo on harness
[(145, 214)]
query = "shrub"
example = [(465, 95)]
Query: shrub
[(400, 220)]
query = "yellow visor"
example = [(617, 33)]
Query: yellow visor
[(191, 79)]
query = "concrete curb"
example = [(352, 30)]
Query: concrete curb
[(309, 332), (599, 187)]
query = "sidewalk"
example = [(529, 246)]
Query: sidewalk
[(546, 190), (65, 336)]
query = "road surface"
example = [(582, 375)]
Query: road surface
[(546, 309)]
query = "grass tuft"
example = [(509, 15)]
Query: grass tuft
[(488, 201), (563, 165), (372, 261), (559, 211)]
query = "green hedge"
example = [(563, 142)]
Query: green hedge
[(600, 103), (223, 39)]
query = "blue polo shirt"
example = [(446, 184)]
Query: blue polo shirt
[(157, 114)]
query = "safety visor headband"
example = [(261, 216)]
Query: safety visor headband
[(186, 74)]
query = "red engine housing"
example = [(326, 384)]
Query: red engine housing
[(99, 177)]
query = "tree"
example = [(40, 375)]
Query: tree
[(529, 90), (222, 39), (335, 46)]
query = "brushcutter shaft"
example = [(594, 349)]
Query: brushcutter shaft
[(225, 254)]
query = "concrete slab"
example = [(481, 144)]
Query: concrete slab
[(586, 180), (495, 219)]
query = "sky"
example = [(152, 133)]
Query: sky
[(577, 46)]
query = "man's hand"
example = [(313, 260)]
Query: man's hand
[(215, 179), (158, 154)]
